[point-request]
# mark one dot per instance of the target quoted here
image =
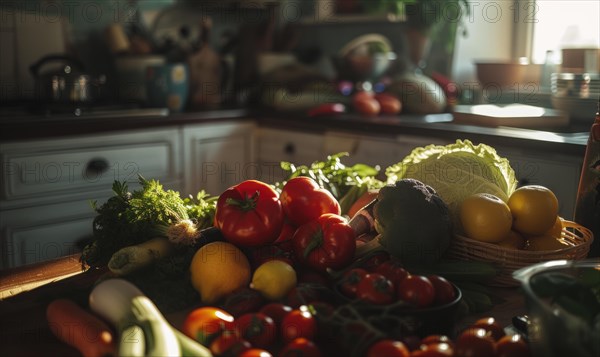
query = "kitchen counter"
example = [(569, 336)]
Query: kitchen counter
[(25, 293), (16, 124)]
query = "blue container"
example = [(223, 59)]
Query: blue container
[(168, 86)]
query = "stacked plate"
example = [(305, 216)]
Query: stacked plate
[(576, 93)]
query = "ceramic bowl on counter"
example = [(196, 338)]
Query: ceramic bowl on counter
[(507, 74), (563, 303)]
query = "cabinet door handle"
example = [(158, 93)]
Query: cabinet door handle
[(289, 148), (97, 166)]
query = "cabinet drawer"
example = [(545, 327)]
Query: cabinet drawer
[(58, 166), (274, 146), (44, 232)]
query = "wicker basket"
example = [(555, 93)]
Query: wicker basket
[(508, 260)]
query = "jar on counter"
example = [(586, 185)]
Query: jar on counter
[(587, 208)]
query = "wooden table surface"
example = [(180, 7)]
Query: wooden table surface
[(25, 293)]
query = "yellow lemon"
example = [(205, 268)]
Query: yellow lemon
[(218, 269), (534, 209), (274, 279), (485, 217)]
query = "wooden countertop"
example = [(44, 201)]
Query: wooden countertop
[(25, 293)]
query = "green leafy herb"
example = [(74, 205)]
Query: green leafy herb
[(130, 218), (346, 183)]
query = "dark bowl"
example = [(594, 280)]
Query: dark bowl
[(362, 67), (401, 319)]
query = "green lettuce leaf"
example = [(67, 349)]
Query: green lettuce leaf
[(457, 171)]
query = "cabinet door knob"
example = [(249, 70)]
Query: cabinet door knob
[(289, 149), (97, 166)]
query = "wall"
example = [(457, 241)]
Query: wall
[(488, 37)]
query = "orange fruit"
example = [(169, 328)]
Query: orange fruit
[(514, 240), (534, 209), (546, 242), (485, 217)]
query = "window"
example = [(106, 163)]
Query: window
[(563, 24)]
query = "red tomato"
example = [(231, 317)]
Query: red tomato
[(228, 343), (491, 326), (441, 349), (389, 103), (444, 291), (366, 104), (388, 348), (249, 214), (242, 301), (436, 339), (393, 270), (376, 289), (376, 259), (327, 109), (284, 241), (327, 242), (512, 346), (276, 311), (475, 342), (300, 347), (348, 284), (204, 324), (298, 323), (255, 352), (416, 290), (303, 200), (257, 328)]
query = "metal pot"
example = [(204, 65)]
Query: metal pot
[(66, 85)]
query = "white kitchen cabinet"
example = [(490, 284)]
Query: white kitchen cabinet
[(277, 145), (217, 156), (560, 173), (47, 186)]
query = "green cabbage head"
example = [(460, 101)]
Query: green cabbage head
[(457, 171)]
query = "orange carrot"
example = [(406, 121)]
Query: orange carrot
[(79, 328)]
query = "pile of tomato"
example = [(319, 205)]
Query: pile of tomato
[(382, 280), (323, 313)]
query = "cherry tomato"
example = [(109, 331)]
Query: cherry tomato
[(249, 214), (300, 347), (228, 343), (255, 352), (257, 328), (388, 348), (416, 290), (512, 346), (393, 270), (242, 301), (444, 291), (491, 326), (276, 311), (376, 289), (348, 284), (475, 342), (206, 323), (298, 323), (389, 103), (441, 349), (436, 339), (303, 200), (365, 104), (327, 242), (374, 260)]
